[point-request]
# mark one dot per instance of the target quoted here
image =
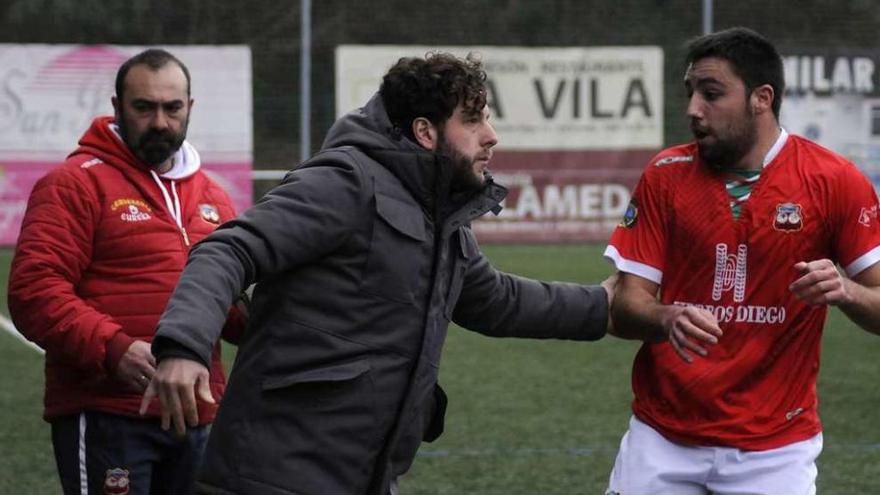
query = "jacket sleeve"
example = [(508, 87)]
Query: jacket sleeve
[(236, 320), (310, 214), (54, 247), (499, 304)]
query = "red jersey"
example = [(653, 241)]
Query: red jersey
[(756, 389)]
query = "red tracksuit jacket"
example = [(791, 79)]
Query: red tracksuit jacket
[(97, 259)]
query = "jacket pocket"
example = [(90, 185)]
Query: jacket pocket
[(437, 420), (336, 373), (396, 256), (321, 426), (465, 253)]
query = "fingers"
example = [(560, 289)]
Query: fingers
[(149, 395), (801, 266), (205, 390), (176, 383), (172, 410), (190, 407), (682, 338), (705, 326), (136, 367), (137, 380), (675, 339), (689, 329), (820, 283)]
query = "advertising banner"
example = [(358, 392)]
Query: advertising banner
[(576, 126), (49, 95), (833, 97)]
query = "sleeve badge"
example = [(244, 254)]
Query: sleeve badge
[(630, 215)]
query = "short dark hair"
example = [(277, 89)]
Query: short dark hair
[(432, 87), (155, 59), (753, 58)]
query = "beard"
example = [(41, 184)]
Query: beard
[(728, 150), (153, 146), (464, 178)]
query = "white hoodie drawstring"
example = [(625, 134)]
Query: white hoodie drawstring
[(173, 206)]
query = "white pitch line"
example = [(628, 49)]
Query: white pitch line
[(6, 324)]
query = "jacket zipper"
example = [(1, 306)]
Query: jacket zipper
[(174, 209)]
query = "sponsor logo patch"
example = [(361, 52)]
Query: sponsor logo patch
[(673, 159), (630, 215), (789, 218), (116, 482), (133, 210), (730, 272), (210, 214), (91, 163), (868, 216), (790, 415)]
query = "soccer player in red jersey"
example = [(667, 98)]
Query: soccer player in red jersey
[(728, 255)]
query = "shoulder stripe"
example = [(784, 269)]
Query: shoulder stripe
[(862, 262), (629, 266)]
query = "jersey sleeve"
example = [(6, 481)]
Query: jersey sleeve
[(854, 222), (638, 243)]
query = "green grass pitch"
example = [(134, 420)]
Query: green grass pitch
[(525, 417)]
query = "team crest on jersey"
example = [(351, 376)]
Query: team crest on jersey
[(133, 210), (116, 482), (789, 218), (210, 214), (630, 215)]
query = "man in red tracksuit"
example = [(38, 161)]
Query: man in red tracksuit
[(103, 242)]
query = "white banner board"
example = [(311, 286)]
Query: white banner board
[(49, 95), (583, 98), (575, 125)]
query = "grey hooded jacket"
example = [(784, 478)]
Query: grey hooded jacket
[(361, 258)]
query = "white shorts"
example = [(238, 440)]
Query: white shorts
[(649, 464)]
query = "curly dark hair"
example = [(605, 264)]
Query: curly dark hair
[(753, 58), (155, 59), (432, 87)]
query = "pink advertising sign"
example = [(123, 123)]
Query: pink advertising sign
[(49, 95)]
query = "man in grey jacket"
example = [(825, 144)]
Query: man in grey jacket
[(362, 256)]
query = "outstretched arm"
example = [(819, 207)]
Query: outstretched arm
[(499, 304), (637, 314), (306, 216), (859, 298)]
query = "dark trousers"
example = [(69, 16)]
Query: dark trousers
[(99, 453)]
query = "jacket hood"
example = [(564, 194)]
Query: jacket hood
[(425, 174), (103, 141)]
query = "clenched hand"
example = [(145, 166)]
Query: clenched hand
[(177, 383)]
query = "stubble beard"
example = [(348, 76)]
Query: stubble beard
[(726, 153)]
